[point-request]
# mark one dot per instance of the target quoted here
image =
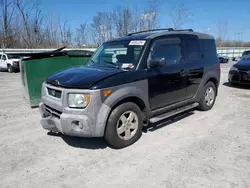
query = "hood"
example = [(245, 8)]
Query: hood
[(243, 65), (81, 77)]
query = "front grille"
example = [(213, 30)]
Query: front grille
[(244, 76), (54, 93), (53, 111)]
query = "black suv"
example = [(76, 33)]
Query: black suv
[(129, 82)]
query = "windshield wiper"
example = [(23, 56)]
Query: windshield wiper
[(112, 63)]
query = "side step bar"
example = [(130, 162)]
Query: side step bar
[(172, 113)]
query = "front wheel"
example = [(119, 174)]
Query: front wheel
[(124, 126), (208, 97), (10, 69)]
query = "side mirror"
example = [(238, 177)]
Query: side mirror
[(157, 62)]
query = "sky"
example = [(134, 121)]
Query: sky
[(205, 14)]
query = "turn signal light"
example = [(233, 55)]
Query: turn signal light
[(107, 92)]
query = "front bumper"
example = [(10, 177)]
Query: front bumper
[(16, 66), (58, 117), (239, 77), (68, 124)]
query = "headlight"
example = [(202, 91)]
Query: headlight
[(78, 100), (233, 68)]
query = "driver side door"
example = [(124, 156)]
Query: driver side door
[(167, 84)]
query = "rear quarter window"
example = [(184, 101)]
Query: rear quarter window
[(209, 51)]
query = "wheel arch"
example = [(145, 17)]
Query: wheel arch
[(130, 93)]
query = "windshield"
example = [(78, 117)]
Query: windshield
[(124, 54), (247, 57)]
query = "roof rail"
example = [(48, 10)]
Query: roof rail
[(167, 29)]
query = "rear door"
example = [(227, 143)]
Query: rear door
[(167, 84), (193, 62)]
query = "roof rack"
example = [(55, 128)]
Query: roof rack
[(166, 29), (191, 30)]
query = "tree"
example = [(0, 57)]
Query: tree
[(81, 35), (179, 16), (124, 21), (149, 16), (222, 31), (65, 33), (7, 9), (31, 18), (101, 28), (51, 31)]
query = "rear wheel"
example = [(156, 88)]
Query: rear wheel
[(208, 97), (124, 126)]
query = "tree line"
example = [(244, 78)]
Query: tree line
[(24, 24)]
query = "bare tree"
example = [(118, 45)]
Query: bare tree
[(31, 18), (80, 37), (65, 33), (123, 19), (51, 31), (149, 16), (222, 31), (179, 16), (101, 27), (7, 9)]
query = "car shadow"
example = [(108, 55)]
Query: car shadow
[(79, 142), (99, 143), (167, 121), (228, 84)]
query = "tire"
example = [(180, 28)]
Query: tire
[(117, 122), (206, 103), (10, 69)]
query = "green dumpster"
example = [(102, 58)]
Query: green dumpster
[(36, 68)]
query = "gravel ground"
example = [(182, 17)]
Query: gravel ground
[(197, 149)]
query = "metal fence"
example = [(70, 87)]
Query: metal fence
[(223, 51), (231, 51)]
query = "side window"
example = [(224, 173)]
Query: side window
[(168, 49), (192, 50)]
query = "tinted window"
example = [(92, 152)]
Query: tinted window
[(171, 52), (192, 50), (209, 51)]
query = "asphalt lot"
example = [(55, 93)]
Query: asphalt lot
[(197, 149)]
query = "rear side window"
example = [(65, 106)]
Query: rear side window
[(168, 49), (191, 50), (209, 51)]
